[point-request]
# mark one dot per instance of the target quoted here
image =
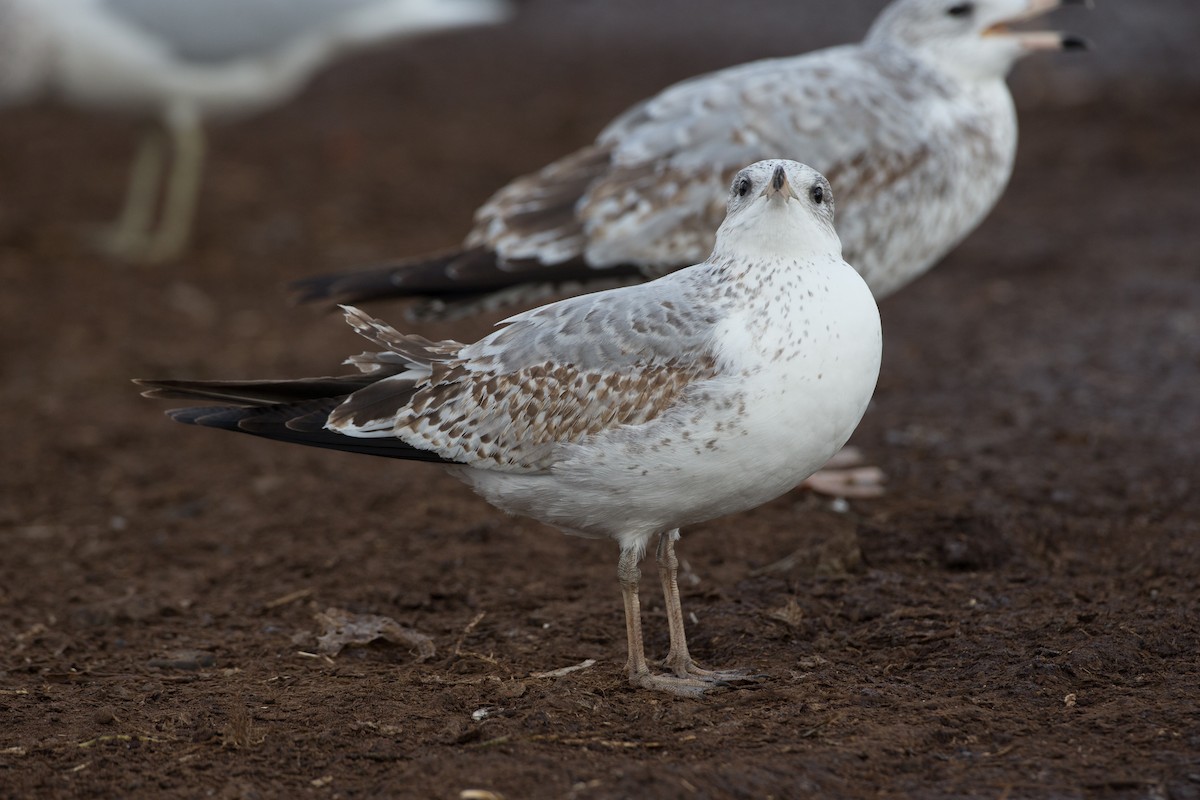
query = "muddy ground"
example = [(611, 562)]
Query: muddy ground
[(1018, 618)]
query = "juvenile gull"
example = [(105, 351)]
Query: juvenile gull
[(183, 61), (914, 127), (623, 414)]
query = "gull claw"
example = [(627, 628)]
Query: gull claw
[(718, 677), (695, 683), (682, 687)]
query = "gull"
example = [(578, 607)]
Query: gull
[(624, 414), (184, 61), (914, 126)]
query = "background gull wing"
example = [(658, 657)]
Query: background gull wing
[(652, 190), (557, 374), (207, 31), (223, 30)]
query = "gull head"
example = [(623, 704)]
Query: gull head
[(779, 208), (971, 38)]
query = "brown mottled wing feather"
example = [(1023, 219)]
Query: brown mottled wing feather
[(842, 111), (558, 374), (535, 217), (412, 350), (517, 419)]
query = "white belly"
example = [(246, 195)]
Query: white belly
[(775, 417)]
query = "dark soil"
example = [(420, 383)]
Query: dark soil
[(1018, 618)]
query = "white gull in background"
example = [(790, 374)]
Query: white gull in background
[(914, 127), (184, 61), (624, 414)]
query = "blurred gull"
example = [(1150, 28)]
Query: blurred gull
[(188, 60), (914, 127), (622, 414)]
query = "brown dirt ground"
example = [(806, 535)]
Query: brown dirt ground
[(1018, 617)]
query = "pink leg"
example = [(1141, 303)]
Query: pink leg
[(679, 660)]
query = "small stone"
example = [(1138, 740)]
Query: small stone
[(511, 690)]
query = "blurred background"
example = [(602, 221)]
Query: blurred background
[(1019, 610), (608, 53)]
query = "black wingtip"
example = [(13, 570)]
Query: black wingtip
[(208, 417), (147, 387), (432, 274), (308, 291), (185, 416), (299, 423)]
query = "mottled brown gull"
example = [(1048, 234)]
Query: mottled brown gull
[(914, 127), (624, 414), (184, 61)]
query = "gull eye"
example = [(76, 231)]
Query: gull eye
[(961, 10), (818, 194), (743, 187)]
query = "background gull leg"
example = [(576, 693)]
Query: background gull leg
[(130, 231), (182, 190)]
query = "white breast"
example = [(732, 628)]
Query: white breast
[(798, 368)]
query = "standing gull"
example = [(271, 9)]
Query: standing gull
[(624, 414), (914, 127), (183, 61)]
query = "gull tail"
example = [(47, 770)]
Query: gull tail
[(528, 244), (456, 279), (256, 393), (283, 410), (448, 274)]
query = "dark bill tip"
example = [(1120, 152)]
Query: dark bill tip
[(1072, 42), (778, 178)]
